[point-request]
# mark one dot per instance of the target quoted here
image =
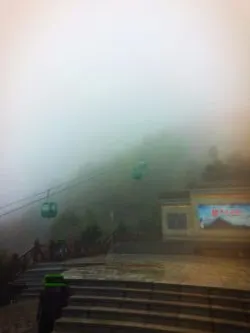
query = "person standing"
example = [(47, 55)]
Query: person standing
[(37, 251), (52, 248), (53, 298)]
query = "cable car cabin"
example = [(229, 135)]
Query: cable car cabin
[(139, 171), (137, 174), (49, 210)]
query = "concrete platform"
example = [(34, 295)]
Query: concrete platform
[(179, 269), (19, 317)]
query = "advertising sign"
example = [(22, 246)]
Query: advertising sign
[(235, 216)]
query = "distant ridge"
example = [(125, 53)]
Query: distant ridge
[(220, 223)]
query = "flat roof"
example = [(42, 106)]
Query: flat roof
[(221, 190), (221, 184), (184, 195)]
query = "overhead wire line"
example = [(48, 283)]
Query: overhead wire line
[(53, 190)]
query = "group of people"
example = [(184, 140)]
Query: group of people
[(53, 297), (57, 250), (8, 290), (9, 269)]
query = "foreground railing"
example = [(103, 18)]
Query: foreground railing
[(18, 264), (11, 269)]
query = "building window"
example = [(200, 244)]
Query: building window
[(177, 221)]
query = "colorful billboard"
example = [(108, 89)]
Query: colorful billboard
[(235, 216)]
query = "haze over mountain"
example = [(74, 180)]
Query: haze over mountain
[(82, 79), (86, 82)]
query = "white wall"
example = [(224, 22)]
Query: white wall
[(193, 223)]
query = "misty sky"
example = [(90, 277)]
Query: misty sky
[(80, 78)]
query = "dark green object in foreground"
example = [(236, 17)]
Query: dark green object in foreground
[(54, 280)]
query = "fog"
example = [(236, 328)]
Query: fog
[(83, 79)]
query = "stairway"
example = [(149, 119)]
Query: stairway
[(33, 278), (134, 306)]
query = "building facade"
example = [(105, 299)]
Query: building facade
[(207, 213)]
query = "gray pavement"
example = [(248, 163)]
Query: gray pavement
[(180, 269), (19, 317)]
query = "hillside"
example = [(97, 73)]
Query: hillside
[(110, 194), (109, 186)]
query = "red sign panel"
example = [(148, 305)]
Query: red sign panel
[(229, 212)]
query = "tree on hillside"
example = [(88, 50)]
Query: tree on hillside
[(91, 235), (167, 158), (239, 167), (213, 154), (67, 224), (92, 232), (217, 171), (112, 188), (89, 217), (236, 168), (235, 159), (3, 256), (121, 232)]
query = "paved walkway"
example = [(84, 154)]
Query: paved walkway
[(181, 269), (19, 317)]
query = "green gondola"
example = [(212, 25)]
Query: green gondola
[(49, 210), (139, 171)]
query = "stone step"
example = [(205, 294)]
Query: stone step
[(35, 287), (66, 325), (161, 295), (132, 284), (34, 290), (30, 281), (29, 295), (111, 283), (46, 268), (49, 264), (216, 291), (39, 273), (83, 264), (204, 310), (158, 318)]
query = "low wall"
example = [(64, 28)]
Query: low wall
[(185, 246)]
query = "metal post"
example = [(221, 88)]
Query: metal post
[(112, 236), (48, 193)]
